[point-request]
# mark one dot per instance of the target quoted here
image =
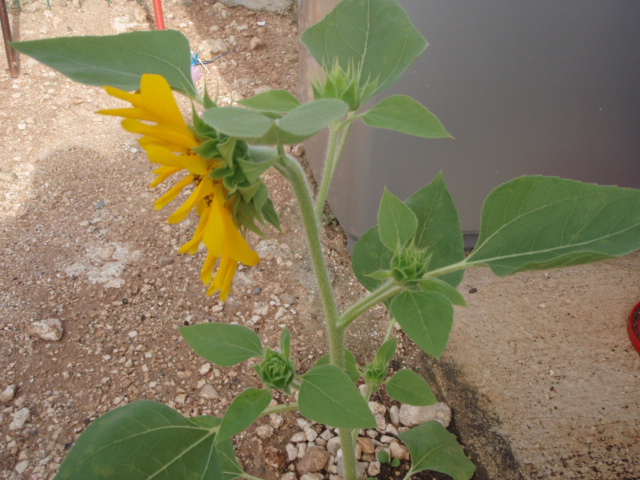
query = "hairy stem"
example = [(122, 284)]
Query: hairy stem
[(382, 293), (337, 140), (287, 407)]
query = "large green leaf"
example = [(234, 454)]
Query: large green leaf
[(407, 386), (376, 35), (438, 227), (144, 440), (426, 317), (277, 102), (406, 115), (223, 344), (298, 125), (243, 411), (534, 223), (396, 222), (226, 453), (328, 396), (443, 288), (118, 60), (370, 256), (432, 447)]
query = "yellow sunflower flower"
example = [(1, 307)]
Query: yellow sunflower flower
[(169, 143)]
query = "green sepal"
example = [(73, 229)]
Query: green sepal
[(277, 370), (377, 370)]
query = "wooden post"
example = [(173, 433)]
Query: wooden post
[(12, 55)]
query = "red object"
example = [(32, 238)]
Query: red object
[(157, 9), (634, 333)]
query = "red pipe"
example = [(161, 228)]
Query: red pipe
[(157, 9)]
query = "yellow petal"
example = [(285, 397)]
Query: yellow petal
[(169, 133), (163, 173), (207, 269), (214, 231), (235, 244), (137, 113), (159, 100), (134, 98), (173, 192), (203, 189), (224, 277)]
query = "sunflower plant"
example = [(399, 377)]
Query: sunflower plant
[(412, 261)]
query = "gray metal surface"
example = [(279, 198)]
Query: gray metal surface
[(525, 87)]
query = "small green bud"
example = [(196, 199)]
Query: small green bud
[(345, 85), (409, 265), (276, 370), (376, 371)]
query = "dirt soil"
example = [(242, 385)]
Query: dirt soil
[(81, 243)]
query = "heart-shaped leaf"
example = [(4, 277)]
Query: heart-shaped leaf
[(223, 344)]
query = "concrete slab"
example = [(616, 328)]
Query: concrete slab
[(541, 374), (266, 5)]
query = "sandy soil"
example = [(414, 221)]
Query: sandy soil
[(81, 243)]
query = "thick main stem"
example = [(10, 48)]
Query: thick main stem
[(296, 176)]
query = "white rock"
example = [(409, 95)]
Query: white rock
[(8, 394), (264, 431), (292, 451), (276, 420), (327, 434), (298, 437), (312, 476), (373, 469), (255, 43), (333, 445), (398, 451), (394, 415), (21, 467), (50, 329), (19, 419), (208, 392), (212, 47), (310, 433), (204, 369), (289, 475), (411, 416)]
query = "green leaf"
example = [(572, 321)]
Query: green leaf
[(144, 440), (223, 344), (376, 35), (377, 370), (273, 101), (118, 60), (243, 411), (443, 288), (386, 351), (406, 115), (238, 122), (426, 317), (432, 447), (370, 256), (226, 453), (534, 223), (285, 342), (328, 396), (407, 386), (260, 160), (350, 364), (438, 227), (397, 224), (307, 120)]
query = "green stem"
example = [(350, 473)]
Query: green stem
[(348, 445), (286, 407), (337, 140), (298, 180), (382, 293), (387, 336)]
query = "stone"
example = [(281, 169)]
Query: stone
[(255, 43), (314, 460), (394, 415), (277, 6), (264, 431), (19, 419), (8, 393), (411, 416), (398, 451), (288, 475), (311, 434), (333, 445), (298, 437), (297, 151), (367, 445), (21, 467), (312, 476), (292, 451), (208, 392), (211, 48), (50, 329), (373, 469), (276, 420)]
